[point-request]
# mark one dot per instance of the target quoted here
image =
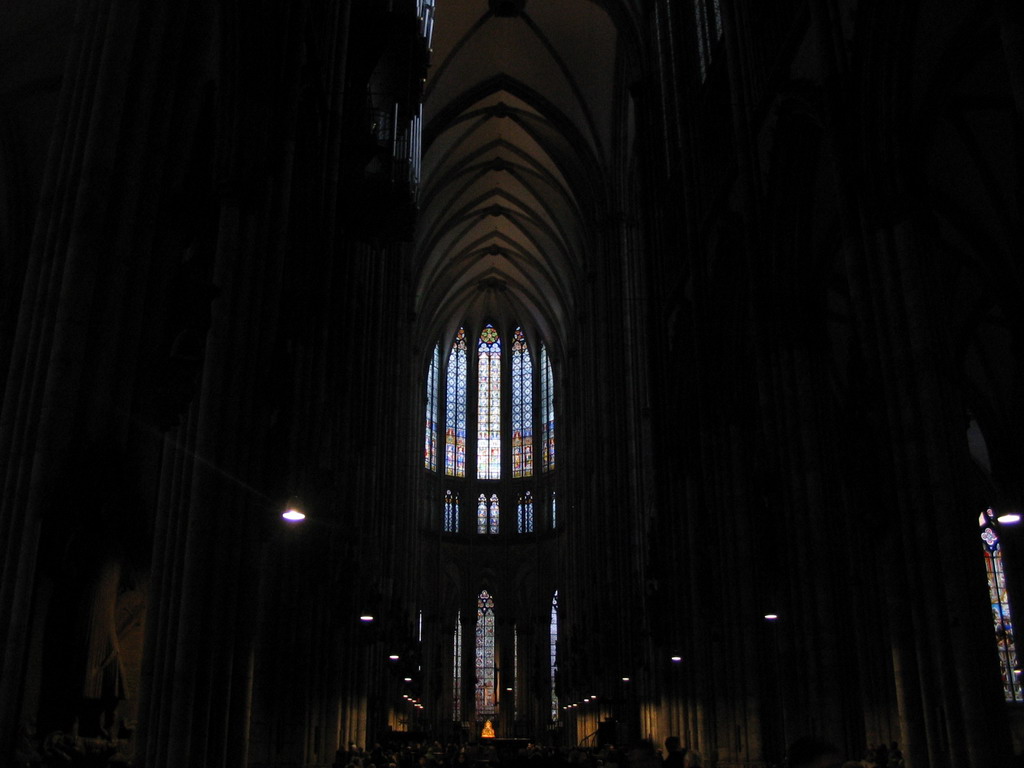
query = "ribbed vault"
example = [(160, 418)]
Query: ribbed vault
[(521, 137)]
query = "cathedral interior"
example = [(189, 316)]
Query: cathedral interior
[(637, 368)]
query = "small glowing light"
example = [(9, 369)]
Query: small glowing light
[(293, 515), (393, 657), (593, 697), (1009, 517), (407, 679), (625, 679), (366, 617), (677, 659), (771, 616), (508, 689)]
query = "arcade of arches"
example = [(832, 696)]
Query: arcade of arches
[(641, 368)]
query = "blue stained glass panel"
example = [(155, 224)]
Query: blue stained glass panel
[(455, 419), (547, 416), (522, 407), (430, 441), (451, 512)]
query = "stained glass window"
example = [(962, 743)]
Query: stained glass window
[(494, 514), (547, 411), (430, 442), (522, 407), (451, 512), (457, 669), (487, 514), (1001, 620), (455, 419), (553, 636), (488, 452), (708, 17), (485, 699), (525, 513), (515, 671)]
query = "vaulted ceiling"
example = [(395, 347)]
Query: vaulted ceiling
[(525, 126)]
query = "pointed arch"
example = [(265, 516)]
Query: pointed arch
[(488, 454), (455, 419), (485, 658), (430, 440), (522, 407), (547, 405)]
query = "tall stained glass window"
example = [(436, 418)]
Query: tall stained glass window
[(553, 636), (488, 452), (455, 418), (547, 411), (524, 514), (522, 407), (1001, 620), (708, 18), (485, 699), (457, 669), (430, 442), (451, 512), (515, 671), (554, 511)]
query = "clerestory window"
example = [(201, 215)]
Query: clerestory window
[(455, 419), (515, 401), (430, 440)]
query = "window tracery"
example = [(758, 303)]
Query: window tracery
[(522, 407), (485, 676), (488, 452), (455, 420)]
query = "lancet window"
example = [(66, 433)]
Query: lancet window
[(524, 513), (522, 407), (1000, 600), (488, 514), (451, 512), (485, 676), (547, 405), (553, 637), (430, 439), (457, 669), (455, 420), (488, 452)]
